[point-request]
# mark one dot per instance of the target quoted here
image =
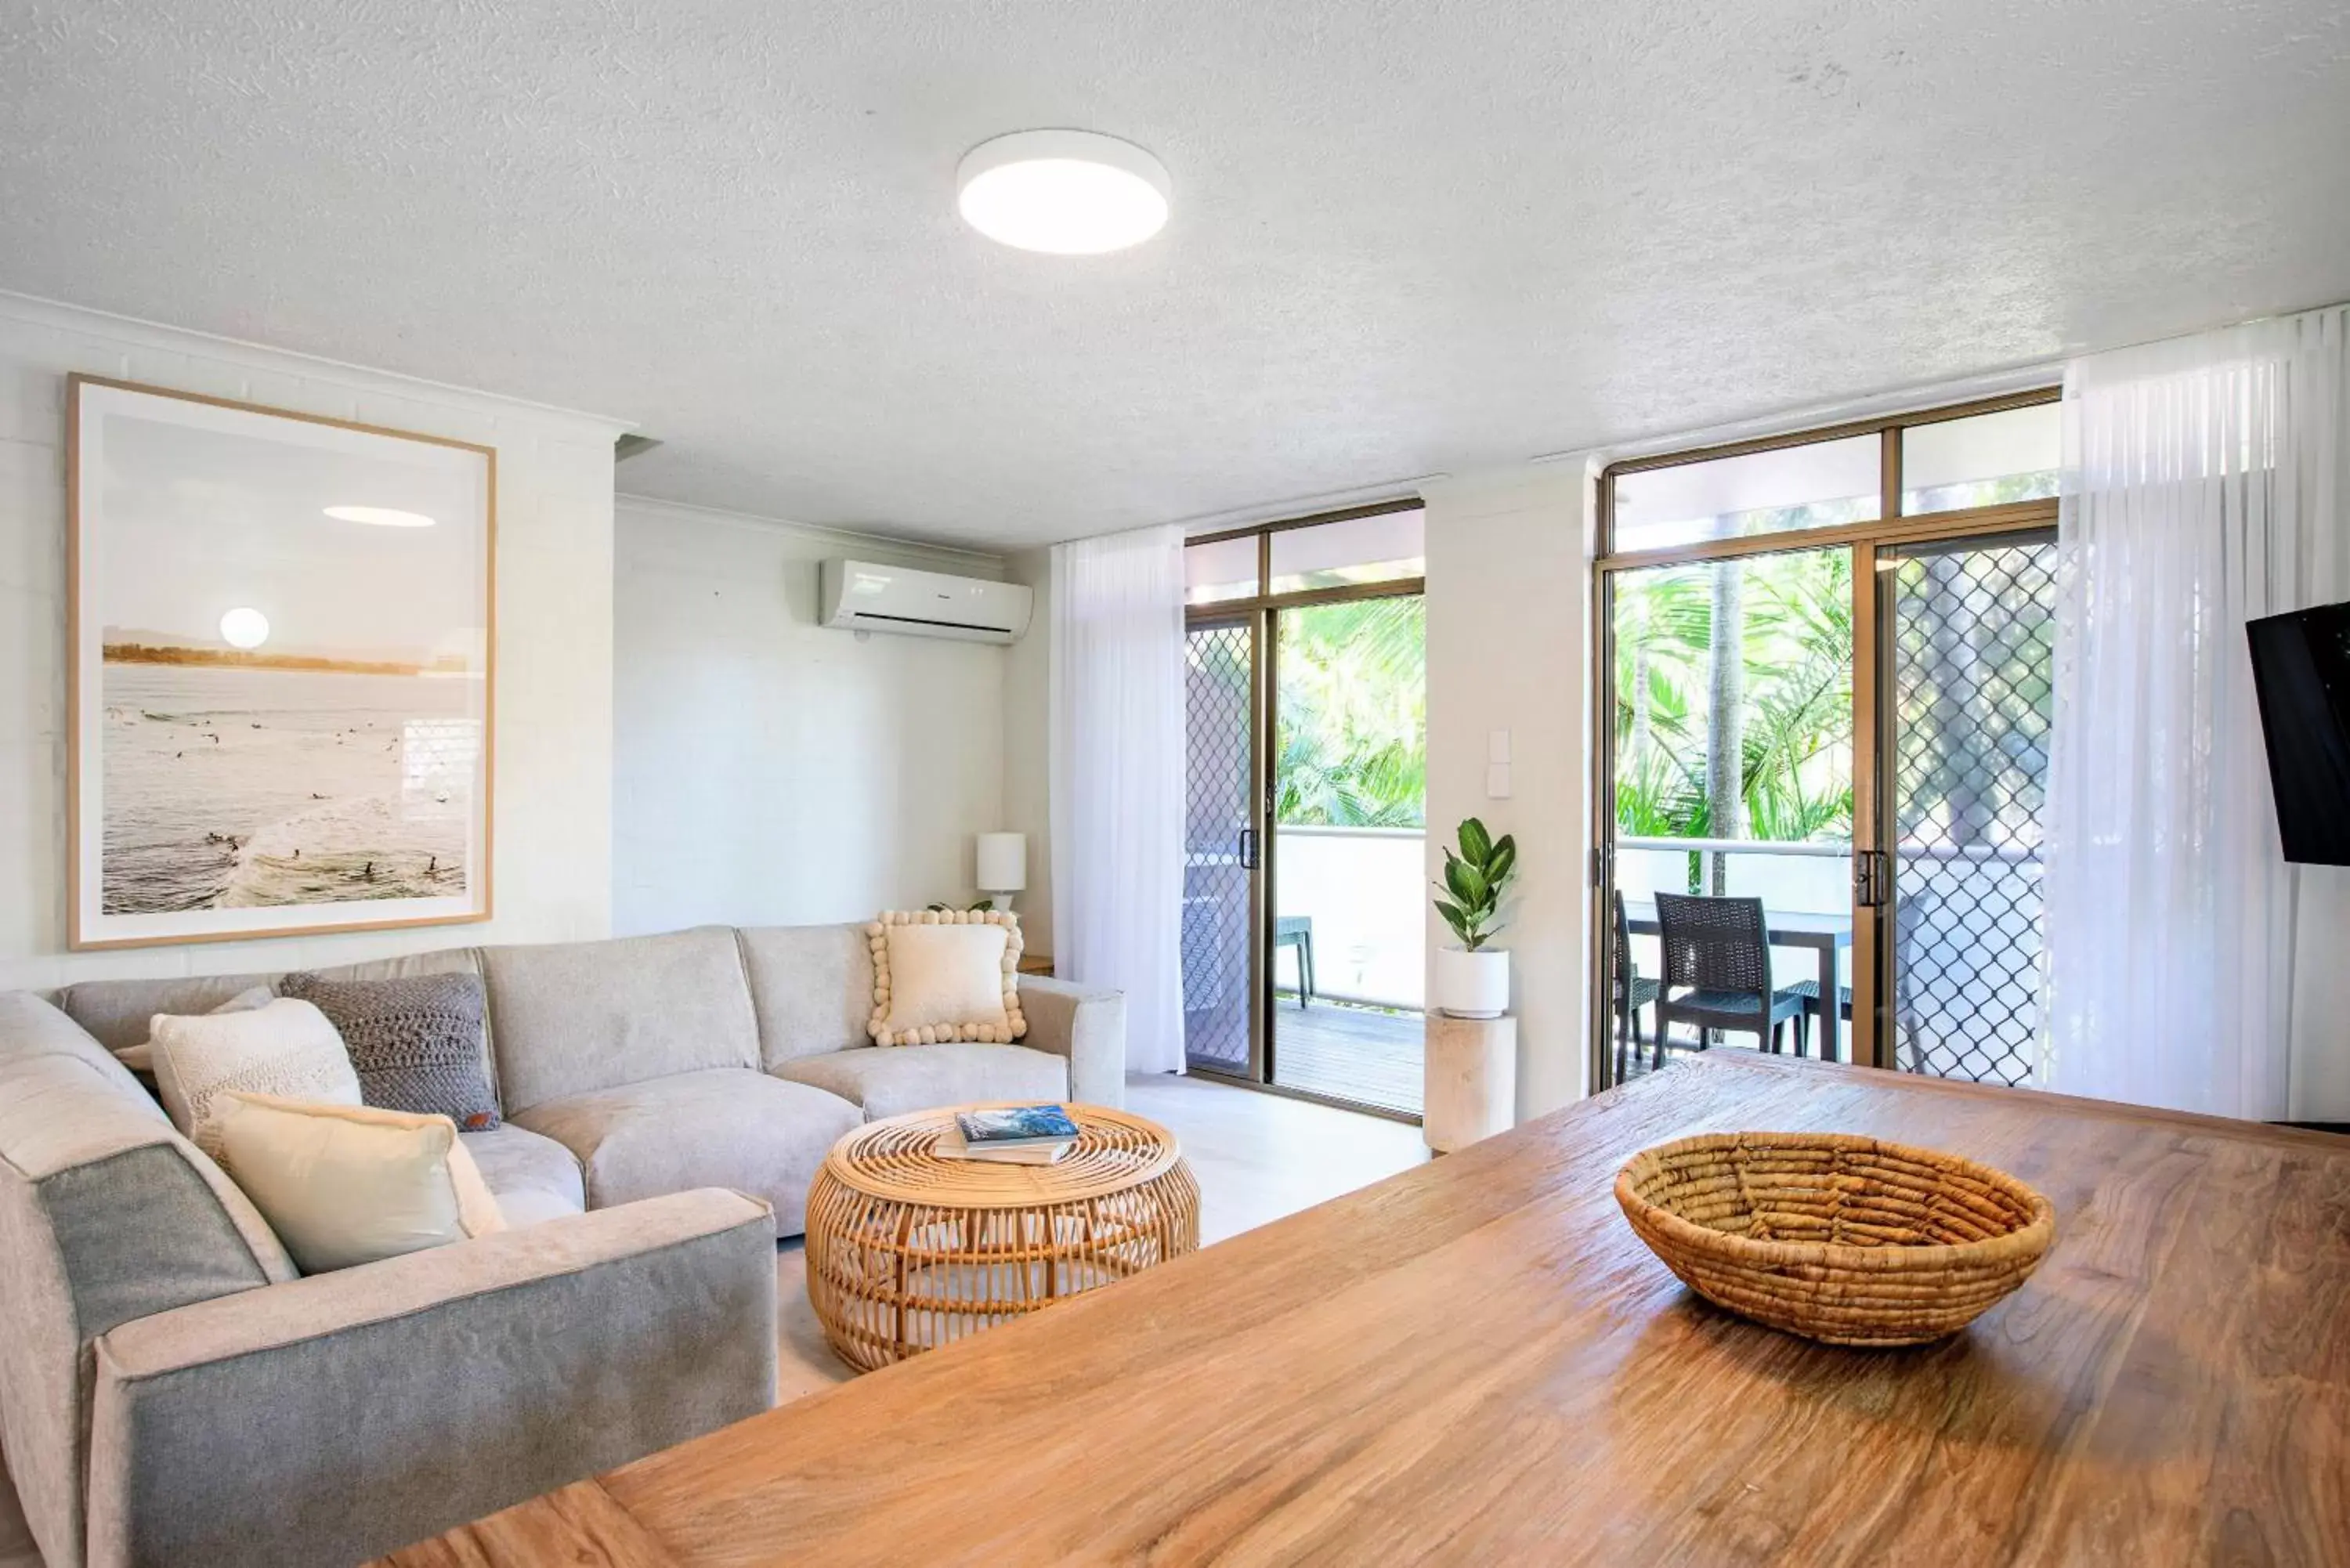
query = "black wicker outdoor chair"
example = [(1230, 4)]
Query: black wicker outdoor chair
[(1717, 974)]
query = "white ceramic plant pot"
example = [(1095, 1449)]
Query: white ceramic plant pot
[(1473, 985)]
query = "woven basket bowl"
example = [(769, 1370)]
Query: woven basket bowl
[(1846, 1240)]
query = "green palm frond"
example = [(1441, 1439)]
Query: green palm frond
[(1352, 744)]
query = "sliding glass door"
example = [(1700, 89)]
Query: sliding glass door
[(1223, 844), (1303, 917), (1830, 662), (1733, 767), (1349, 798), (1971, 649)]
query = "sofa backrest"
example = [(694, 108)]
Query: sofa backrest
[(812, 986), (106, 1215), (590, 1016), (570, 1018), (117, 1013)]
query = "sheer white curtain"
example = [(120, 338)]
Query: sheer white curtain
[(2204, 486), (1117, 780)]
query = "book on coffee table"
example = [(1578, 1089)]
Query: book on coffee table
[(1016, 1126), (951, 1144)]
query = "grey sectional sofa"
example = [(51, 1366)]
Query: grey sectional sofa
[(171, 1393)]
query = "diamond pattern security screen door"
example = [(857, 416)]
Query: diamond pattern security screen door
[(1973, 651), (1219, 848)]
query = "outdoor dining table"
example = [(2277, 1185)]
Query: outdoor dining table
[(1826, 934)]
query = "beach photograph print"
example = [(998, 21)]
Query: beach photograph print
[(282, 681)]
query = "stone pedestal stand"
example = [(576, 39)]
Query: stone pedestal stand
[(1471, 1085)]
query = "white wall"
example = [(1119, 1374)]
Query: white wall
[(553, 731), (768, 771), (1509, 597)]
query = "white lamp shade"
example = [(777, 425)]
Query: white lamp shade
[(1002, 862)]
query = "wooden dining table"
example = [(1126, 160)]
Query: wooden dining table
[(1477, 1362), (1827, 934)]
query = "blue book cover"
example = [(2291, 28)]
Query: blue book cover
[(1017, 1124)]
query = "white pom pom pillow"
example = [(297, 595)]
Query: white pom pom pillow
[(941, 975)]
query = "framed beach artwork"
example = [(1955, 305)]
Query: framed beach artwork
[(281, 633)]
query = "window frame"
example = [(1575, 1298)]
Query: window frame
[(1871, 956), (1890, 519), (1263, 531), (1259, 612)]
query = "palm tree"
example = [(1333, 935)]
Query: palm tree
[(1725, 711), (1352, 715), (1734, 701)]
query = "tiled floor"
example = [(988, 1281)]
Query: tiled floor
[(1258, 1158)]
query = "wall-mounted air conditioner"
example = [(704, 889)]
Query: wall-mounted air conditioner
[(861, 596)]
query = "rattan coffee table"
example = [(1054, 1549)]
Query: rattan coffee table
[(907, 1252)]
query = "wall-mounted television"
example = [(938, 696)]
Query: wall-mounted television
[(2300, 666)]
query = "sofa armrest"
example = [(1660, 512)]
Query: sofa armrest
[(331, 1418), (1085, 1024)]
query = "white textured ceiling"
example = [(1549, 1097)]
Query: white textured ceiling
[(1406, 238)]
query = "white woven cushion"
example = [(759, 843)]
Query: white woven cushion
[(344, 1185), (945, 974), (140, 1058), (286, 1048)]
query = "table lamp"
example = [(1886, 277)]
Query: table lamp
[(1003, 865)]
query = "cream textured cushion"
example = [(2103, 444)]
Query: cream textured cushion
[(140, 1058), (945, 975), (343, 1185), (286, 1048)]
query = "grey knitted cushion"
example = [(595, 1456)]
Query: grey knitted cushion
[(415, 1042)]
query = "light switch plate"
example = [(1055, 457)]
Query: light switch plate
[(1497, 781)]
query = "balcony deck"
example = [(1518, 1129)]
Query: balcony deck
[(1363, 1054)]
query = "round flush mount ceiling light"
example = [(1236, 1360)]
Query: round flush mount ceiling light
[(244, 626), (1065, 192), (381, 516)]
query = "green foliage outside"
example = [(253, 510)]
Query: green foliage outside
[(1351, 722), (1972, 632), (1792, 722)]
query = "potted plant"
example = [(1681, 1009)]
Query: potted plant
[(1472, 979)]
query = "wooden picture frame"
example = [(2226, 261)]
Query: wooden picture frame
[(281, 638)]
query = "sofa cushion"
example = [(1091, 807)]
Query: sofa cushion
[(726, 1126), (286, 1048), (812, 985), (115, 1011), (415, 1042), (893, 1080), (345, 1185), (533, 1177), (572, 1018), (943, 976), (410, 966)]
